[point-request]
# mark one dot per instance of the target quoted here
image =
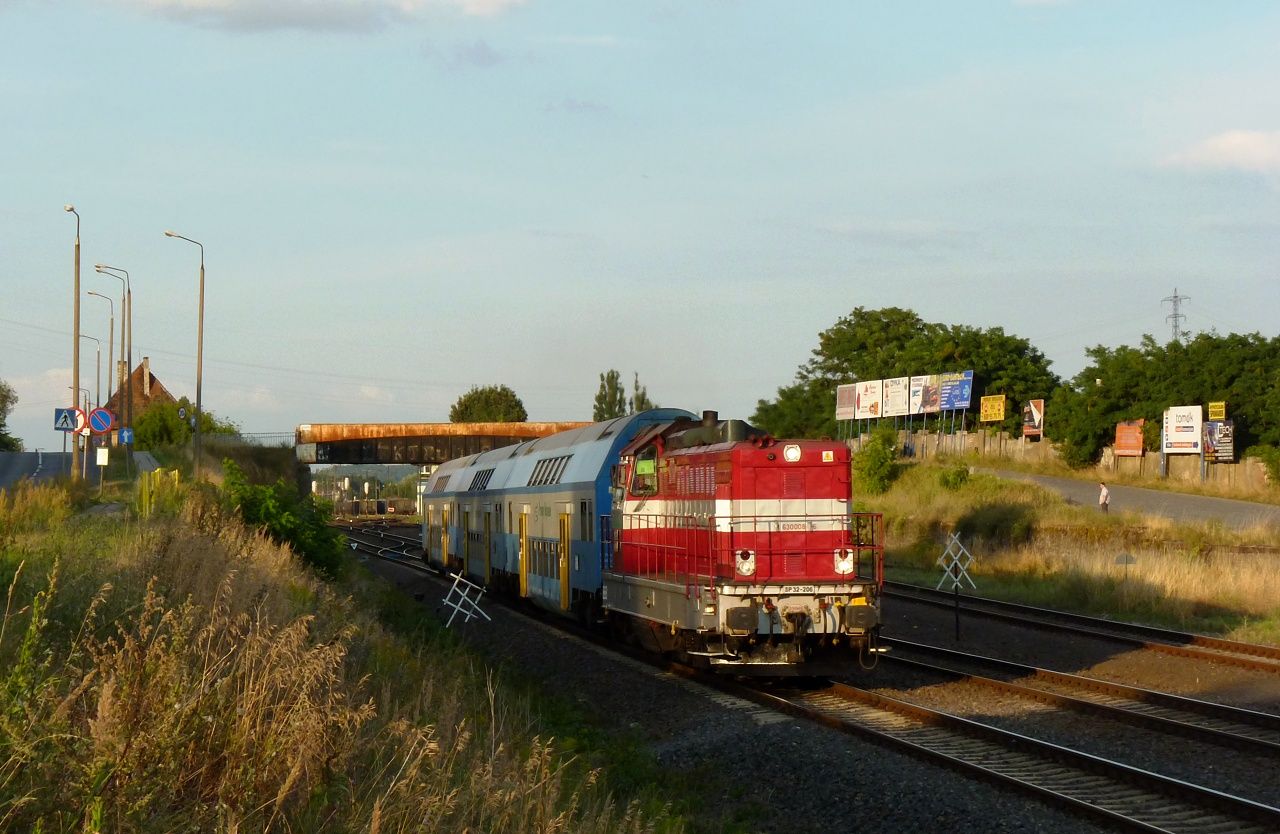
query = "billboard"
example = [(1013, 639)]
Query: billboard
[(1218, 411), (1129, 439), (992, 410), (897, 396), (867, 402), (1220, 441), (846, 400), (1033, 418), (1183, 430), (956, 390), (925, 393)]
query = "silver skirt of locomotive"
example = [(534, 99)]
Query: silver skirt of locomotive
[(749, 612)]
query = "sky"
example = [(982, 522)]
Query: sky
[(401, 199)]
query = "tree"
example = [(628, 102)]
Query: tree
[(612, 400), (892, 342), (160, 425), (1128, 383), (611, 397), (488, 404), (8, 399), (640, 396)]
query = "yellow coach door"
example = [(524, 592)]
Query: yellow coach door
[(565, 530), (524, 554), (466, 542), (444, 537), (488, 545)]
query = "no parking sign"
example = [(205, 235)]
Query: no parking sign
[(101, 421)]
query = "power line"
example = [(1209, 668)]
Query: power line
[(1176, 316)]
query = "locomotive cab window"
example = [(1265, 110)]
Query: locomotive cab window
[(644, 475)]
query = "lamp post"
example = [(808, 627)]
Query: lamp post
[(97, 395), (111, 335), (75, 437), (126, 294), (75, 344), (126, 322), (199, 346)]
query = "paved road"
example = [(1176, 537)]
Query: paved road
[(1175, 505), (42, 466)]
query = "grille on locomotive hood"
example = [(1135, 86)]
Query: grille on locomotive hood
[(792, 484), (793, 564)]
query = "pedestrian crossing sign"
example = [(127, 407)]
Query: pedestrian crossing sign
[(64, 419)]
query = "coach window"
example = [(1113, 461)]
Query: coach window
[(644, 478)]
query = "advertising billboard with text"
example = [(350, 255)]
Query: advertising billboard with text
[(846, 401), (1220, 441), (992, 408), (1183, 430), (1033, 418), (869, 395), (956, 390), (897, 396), (1129, 439), (924, 394)]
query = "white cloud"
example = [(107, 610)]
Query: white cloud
[(1255, 151), (375, 394), (49, 389), (258, 397), (320, 15)]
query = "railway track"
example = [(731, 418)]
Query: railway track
[(1119, 794), (1231, 727), (1196, 646)]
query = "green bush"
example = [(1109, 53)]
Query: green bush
[(302, 522), (875, 465), (1270, 457), (954, 477)]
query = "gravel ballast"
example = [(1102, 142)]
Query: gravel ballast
[(753, 769)]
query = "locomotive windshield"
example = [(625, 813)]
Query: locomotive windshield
[(644, 475)]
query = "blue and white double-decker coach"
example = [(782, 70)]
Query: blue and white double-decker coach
[(533, 519)]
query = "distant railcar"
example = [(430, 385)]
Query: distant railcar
[(706, 539)]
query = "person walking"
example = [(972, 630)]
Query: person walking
[(1104, 497)]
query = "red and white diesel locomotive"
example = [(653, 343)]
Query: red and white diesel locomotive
[(706, 539)]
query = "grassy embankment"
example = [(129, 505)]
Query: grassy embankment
[(188, 674), (1030, 545)]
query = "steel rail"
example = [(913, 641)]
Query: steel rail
[(1116, 792), (1232, 727), (1200, 647), (1122, 795)]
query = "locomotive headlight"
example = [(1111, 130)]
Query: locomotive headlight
[(791, 453), (746, 562), (844, 561)]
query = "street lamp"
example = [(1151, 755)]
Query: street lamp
[(126, 322), (75, 341), (111, 335), (97, 395), (75, 435), (199, 345)]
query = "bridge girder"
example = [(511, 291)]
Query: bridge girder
[(420, 444)]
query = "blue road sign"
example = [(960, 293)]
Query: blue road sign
[(126, 437), (64, 419), (101, 421)]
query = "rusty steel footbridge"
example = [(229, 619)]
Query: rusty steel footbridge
[(420, 444)]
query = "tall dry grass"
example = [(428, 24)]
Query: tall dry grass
[(1030, 545), (188, 675)]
